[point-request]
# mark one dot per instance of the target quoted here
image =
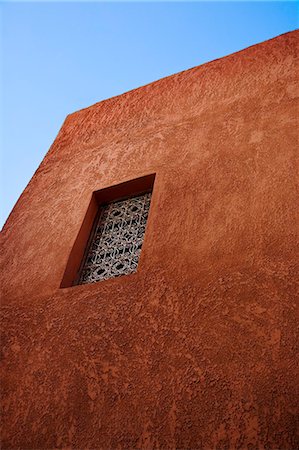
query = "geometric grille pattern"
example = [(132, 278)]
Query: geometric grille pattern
[(118, 236)]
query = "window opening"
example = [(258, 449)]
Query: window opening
[(116, 240)]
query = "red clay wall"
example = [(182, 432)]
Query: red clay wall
[(197, 349)]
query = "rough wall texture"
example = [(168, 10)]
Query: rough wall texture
[(197, 349)]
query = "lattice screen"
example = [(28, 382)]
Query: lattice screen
[(116, 244)]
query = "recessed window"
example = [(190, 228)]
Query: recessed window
[(110, 238), (116, 240)]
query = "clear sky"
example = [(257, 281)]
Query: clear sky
[(58, 57)]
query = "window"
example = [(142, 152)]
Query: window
[(116, 240), (110, 237)]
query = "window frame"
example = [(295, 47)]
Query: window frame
[(78, 253)]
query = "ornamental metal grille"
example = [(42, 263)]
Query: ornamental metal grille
[(115, 246)]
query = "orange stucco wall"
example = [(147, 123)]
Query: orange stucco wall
[(197, 349)]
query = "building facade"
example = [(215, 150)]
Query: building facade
[(195, 349)]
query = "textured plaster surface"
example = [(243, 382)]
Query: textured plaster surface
[(197, 350)]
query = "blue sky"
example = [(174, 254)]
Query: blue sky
[(58, 57)]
